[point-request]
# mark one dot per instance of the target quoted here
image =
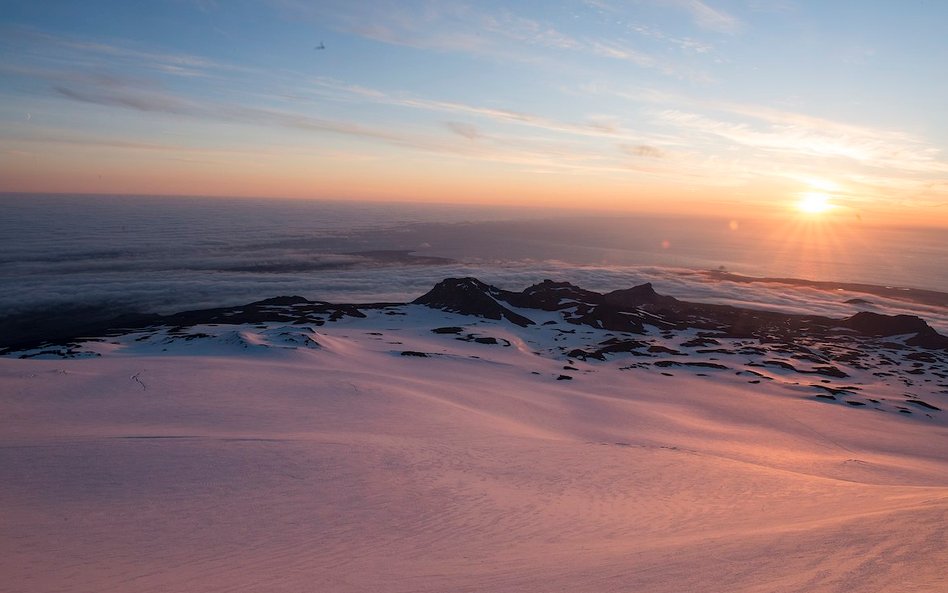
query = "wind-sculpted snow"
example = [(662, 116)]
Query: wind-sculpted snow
[(618, 442)]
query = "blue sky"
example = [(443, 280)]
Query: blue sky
[(646, 104)]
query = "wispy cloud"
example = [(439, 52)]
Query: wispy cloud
[(708, 17), (800, 135), (464, 130), (91, 84), (789, 139), (528, 31), (687, 44), (459, 27), (152, 102), (85, 53), (644, 150), (344, 91), (169, 104), (514, 150), (701, 14)]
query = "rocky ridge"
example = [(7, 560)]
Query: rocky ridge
[(850, 361)]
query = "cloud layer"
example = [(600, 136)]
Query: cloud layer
[(154, 255)]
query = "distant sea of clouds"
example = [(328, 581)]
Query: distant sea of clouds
[(166, 254)]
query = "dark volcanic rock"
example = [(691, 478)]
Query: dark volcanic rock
[(922, 356), (637, 310), (552, 296), (829, 371), (470, 296), (584, 354), (610, 346), (588, 307), (929, 339), (876, 324), (835, 390), (74, 324), (637, 296), (665, 350), (922, 404), (605, 317), (700, 343), (697, 364), (282, 301)]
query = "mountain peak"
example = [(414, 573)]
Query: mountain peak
[(877, 324), (642, 294), (551, 296), (469, 296), (282, 301)]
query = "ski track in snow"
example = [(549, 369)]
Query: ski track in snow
[(137, 378)]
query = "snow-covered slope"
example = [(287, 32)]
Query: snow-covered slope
[(417, 449)]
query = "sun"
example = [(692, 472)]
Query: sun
[(814, 203)]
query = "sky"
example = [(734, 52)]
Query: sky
[(721, 106)]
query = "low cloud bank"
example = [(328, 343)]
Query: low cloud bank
[(80, 256)]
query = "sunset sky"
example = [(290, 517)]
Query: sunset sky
[(649, 105)]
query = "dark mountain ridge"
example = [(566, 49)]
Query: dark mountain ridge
[(630, 310)]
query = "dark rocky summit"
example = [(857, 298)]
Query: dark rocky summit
[(470, 296), (636, 310), (60, 328), (876, 324), (631, 310)]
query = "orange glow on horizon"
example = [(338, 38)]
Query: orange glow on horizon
[(341, 177)]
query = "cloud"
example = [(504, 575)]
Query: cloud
[(64, 136), (342, 91), (96, 54), (528, 31), (465, 130), (139, 101), (169, 104), (795, 134), (116, 257), (684, 43), (612, 49), (701, 14), (707, 17), (459, 27), (744, 141), (644, 150), (516, 150), (93, 81)]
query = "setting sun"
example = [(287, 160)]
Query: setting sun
[(814, 203)]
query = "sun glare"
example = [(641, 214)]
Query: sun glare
[(814, 203)]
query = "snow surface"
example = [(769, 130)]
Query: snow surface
[(278, 459)]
